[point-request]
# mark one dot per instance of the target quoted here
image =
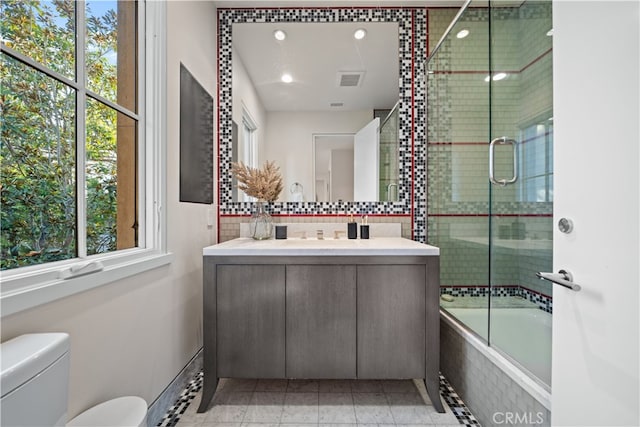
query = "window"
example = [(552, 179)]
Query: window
[(249, 145), (81, 166), (249, 151), (536, 163)]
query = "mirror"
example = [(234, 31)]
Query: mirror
[(243, 128), (339, 84)]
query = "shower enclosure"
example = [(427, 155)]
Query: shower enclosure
[(490, 173)]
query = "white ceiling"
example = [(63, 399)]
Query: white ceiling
[(313, 53)]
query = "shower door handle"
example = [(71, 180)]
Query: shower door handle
[(563, 278), (393, 184), (503, 140)]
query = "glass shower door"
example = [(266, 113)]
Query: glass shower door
[(521, 189), (458, 190)]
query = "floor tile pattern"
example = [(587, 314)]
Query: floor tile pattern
[(324, 403)]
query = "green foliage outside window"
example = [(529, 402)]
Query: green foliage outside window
[(38, 206)]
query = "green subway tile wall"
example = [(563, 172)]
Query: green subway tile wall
[(463, 114)]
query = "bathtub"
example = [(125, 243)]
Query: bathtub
[(486, 376), (524, 334)]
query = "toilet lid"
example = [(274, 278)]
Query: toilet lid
[(128, 411)]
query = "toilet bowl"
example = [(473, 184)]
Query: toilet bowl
[(128, 411), (35, 374)]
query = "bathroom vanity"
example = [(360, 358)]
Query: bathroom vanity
[(321, 309)]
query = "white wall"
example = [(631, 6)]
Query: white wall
[(289, 142), (244, 93), (132, 337), (341, 175), (596, 331)]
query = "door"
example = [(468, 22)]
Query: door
[(391, 321), (366, 157), (321, 321), (596, 330), (521, 189), (250, 321)]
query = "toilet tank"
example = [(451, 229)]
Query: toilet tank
[(34, 381)]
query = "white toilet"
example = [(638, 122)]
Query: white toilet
[(34, 383)]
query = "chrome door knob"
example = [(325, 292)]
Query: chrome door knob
[(565, 225)]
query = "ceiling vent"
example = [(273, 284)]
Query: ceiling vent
[(350, 78), (336, 104)]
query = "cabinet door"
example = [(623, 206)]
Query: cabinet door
[(391, 321), (250, 321), (321, 321)]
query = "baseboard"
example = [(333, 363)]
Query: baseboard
[(170, 394)]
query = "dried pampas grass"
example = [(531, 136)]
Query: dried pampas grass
[(263, 184)]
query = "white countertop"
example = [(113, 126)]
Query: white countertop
[(388, 246)]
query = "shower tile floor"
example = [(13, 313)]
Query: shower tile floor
[(323, 403)]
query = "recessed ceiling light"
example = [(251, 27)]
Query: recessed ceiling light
[(360, 33), (279, 35), (496, 77), (550, 32), (462, 33), (499, 76), (286, 78)]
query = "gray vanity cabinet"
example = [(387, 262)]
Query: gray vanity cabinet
[(321, 321), (391, 321), (250, 321), (321, 316)]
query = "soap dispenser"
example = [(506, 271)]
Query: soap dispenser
[(364, 228), (352, 228)]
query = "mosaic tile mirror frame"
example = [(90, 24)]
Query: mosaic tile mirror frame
[(412, 36)]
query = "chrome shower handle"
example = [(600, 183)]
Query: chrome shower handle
[(503, 140), (393, 184)]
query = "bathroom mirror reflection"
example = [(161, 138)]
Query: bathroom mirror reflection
[(292, 91)]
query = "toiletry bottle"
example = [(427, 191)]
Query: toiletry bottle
[(364, 228), (352, 228)]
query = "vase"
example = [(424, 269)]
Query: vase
[(261, 223)]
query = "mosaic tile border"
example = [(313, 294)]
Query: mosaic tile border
[(544, 302), (458, 407), (189, 393), (448, 394), (412, 23)]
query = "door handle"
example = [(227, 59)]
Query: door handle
[(503, 140), (562, 278)]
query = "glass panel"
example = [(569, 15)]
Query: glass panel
[(468, 104), (389, 166), (38, 190), (42, 30), (111, 50), (521, 213), (457, 135), (111, 183)]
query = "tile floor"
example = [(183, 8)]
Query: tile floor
[(324, 403)]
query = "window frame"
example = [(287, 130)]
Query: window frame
[(249, 140), (27, 287), (249, 145)]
